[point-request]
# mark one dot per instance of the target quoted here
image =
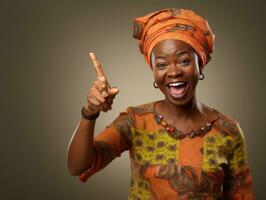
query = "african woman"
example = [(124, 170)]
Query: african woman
[(179, 147)]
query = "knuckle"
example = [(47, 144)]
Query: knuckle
[(97, 103), (102, 79), (98, 82), (89, 97), (104, 93), (103, 86), (91, 89), (95, 82)]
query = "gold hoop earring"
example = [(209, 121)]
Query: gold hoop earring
[(201, 76), (155, 85)]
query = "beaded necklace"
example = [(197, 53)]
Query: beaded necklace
[(173, 132)]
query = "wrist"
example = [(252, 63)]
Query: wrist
[(87, 116)]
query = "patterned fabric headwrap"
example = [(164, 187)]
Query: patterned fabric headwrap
[(181, 24)]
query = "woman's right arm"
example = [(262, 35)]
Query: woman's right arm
[(80, 149)]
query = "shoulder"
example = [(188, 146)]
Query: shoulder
[(227, 125), (129, 115), (142, 109)]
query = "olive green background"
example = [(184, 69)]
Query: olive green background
[(45, 75)]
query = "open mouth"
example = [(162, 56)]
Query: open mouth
[(178, 89)]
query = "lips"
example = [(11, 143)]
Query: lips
[(177, 89)]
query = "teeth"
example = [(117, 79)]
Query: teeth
[(176, 84)]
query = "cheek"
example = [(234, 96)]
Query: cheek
[(195, 69), (196, 74), (195, 78), (193, 74), (158, 76)]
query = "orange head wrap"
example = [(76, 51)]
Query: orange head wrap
[(179, 24)]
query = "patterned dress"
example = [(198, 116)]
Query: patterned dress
[(213, 166)]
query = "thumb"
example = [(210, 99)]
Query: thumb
[(113, 91)]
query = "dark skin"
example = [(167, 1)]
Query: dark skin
[(80, 149), (186, 113), (172, 61)]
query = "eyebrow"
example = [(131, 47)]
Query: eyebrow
[(179, 53)]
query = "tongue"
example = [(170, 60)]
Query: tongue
[(177, 90)]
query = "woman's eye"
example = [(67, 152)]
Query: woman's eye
[(160, 65), (184, 62)]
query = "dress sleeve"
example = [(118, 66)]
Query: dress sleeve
[(110, 143), (238, 181)]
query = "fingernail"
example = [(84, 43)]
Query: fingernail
[(116, 90), (92, 55)]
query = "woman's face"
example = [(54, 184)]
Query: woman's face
[(176, 70)]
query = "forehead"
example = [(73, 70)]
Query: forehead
[(171, 46)]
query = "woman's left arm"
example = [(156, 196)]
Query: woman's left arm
[(238, 181)]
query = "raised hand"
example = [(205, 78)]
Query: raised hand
[(100, 95)]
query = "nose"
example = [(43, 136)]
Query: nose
[(173, 71)]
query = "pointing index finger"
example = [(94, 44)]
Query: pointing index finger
[(98, 67), (96, 64)]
